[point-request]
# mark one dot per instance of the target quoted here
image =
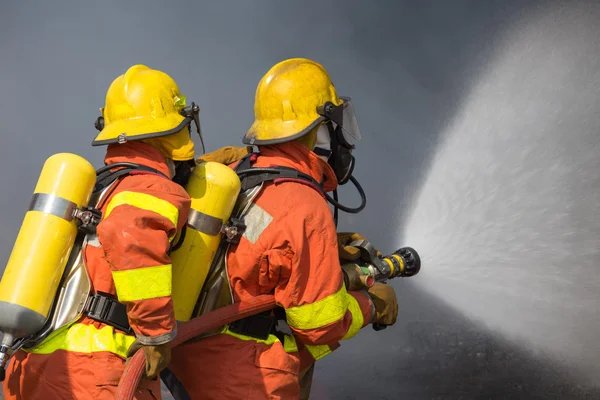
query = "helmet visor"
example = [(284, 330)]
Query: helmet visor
[(344, 117), (349, 124)]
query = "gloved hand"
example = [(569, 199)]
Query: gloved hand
[(349, 253), (157, 357), (226, 155), (386, 303)]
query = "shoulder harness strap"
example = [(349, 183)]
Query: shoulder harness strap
[(103, 307), (104, 175), (254, 176), (89, 216)]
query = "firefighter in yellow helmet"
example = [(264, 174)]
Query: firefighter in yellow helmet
[(289, 247), (145, 122)]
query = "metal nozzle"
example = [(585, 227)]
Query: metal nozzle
[(358, 278), (412, 261)]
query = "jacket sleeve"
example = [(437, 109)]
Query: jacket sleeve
[(138, 225), (318, 308)]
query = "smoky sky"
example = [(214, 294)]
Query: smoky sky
[(408, 66)]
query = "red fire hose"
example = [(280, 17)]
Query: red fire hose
[(188, 330)]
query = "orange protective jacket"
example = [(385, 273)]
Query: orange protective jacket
[(289, 249), (129, 260)]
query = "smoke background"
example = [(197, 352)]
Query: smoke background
[(412, 69)]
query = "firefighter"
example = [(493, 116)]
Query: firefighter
[(289, 248), (146, 122)]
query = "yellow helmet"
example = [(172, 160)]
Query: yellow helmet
[(287, 101), (145, 104)]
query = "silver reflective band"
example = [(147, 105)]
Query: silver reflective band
[(204, 223), (50, 204)]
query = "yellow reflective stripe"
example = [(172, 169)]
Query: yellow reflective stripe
[(318, 352), (320, 313), (82, 338), (270, 339), (289, 344), (143, 283), (357, 317), (144, 202)]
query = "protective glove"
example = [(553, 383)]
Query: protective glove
[(157, 357), (385, 302), (349, 253), (226, 155)]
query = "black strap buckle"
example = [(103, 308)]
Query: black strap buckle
[(104, 308), (258, 326)]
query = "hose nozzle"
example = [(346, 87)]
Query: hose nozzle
[(357, 277), (404, 262)]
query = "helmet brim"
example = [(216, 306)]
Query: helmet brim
[(140, 128), (264, 132)]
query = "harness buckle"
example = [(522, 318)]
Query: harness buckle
[(88, 218), (103, 308), (233, 230), (258, 326)]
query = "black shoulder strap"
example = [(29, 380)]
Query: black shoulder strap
[(251, 177), (90, 216), (104, 176)]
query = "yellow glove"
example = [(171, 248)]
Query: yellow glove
[(157, 357), (226, 155), (349, 253), (386, 304)]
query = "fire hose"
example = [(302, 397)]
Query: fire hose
[(188, 330)]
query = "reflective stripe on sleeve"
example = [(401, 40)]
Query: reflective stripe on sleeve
[(143, 283), (145, 202), (358, 318), (320, 313)]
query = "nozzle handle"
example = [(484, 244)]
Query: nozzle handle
[(379, 327)]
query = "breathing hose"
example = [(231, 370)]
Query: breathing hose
[(188, 330), (363, 199)]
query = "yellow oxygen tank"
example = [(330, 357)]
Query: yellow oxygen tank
[(214, 189), (44, 243)]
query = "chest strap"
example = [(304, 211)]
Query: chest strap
[(105, 308), (260, 326)]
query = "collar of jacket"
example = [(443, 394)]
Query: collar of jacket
[(295, 155), (138, 153)]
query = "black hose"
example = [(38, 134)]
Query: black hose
[(361, 192), (332, 201)]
